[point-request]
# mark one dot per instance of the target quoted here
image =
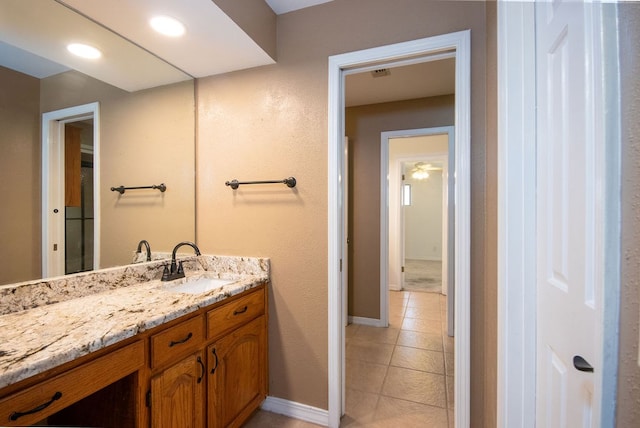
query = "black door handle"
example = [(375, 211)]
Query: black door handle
[(178, 342), (241, 311), (215, 366), (17, 415), (199, 360), (582, 364)]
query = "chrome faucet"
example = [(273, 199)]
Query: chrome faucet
[(176, 270), (148, 248)]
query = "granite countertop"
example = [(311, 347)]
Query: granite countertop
[(46, 336)]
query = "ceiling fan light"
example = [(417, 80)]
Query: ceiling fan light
[(419, 174), (167, 26)]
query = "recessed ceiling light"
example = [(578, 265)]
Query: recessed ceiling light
[(84, 51), (168, 26)]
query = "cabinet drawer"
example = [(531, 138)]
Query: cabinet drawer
[(227, 317), (46, 398), (177, 341)]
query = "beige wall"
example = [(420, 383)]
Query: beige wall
[(271, 122), (423, 218), (363, 127), (19, 176), (628, 408)]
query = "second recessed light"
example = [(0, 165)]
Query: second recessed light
[(168, 26)]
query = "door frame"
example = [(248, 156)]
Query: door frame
[(53, 190), (517, 222), (458, 43)]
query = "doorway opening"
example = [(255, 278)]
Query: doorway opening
[(455, 45), (423, 259), (70, 190), (78, 243), (433, 151)]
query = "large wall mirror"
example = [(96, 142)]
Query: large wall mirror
[(146, 137)]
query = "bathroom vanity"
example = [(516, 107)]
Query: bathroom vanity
[(136, 353)]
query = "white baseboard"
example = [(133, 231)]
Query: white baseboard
[(296, 410), (373, 322), (395, 287)]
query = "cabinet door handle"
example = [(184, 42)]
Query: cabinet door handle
[(241, 311), (178, 342), (203, 369), (16, 415), (215, 366)]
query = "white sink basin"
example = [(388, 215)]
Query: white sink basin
[(198, 285)]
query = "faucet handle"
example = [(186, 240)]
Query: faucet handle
[(165, 273), (180, 269)]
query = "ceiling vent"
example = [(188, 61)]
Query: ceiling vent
[(381, 72)]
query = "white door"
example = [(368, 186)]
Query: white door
[(569, 216)]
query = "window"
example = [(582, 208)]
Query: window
[(406, 194)]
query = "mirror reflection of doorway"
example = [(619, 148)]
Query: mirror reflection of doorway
[(78, 196), (70, 179)]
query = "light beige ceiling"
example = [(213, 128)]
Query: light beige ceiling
[(426, 79), (213, 43), (44, 28), (34, 34)]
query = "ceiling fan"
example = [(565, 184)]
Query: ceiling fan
[(420, 170)]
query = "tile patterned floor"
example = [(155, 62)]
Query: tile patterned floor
[(423, 275), (400, 376)]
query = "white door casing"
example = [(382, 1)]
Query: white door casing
[(53, 189), (407, 52), (559, 218), (344, 262)]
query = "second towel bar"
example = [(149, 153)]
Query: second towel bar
[(234, 184)]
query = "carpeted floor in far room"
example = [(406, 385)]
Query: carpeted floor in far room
[(423, 275)]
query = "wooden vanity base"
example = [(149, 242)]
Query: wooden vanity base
[(208, 368)]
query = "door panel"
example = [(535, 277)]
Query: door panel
[(237, 381), (177, 395), (567, 226)]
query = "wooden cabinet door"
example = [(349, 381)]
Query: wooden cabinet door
[(237, 374), (177, 395), (72, 163)]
